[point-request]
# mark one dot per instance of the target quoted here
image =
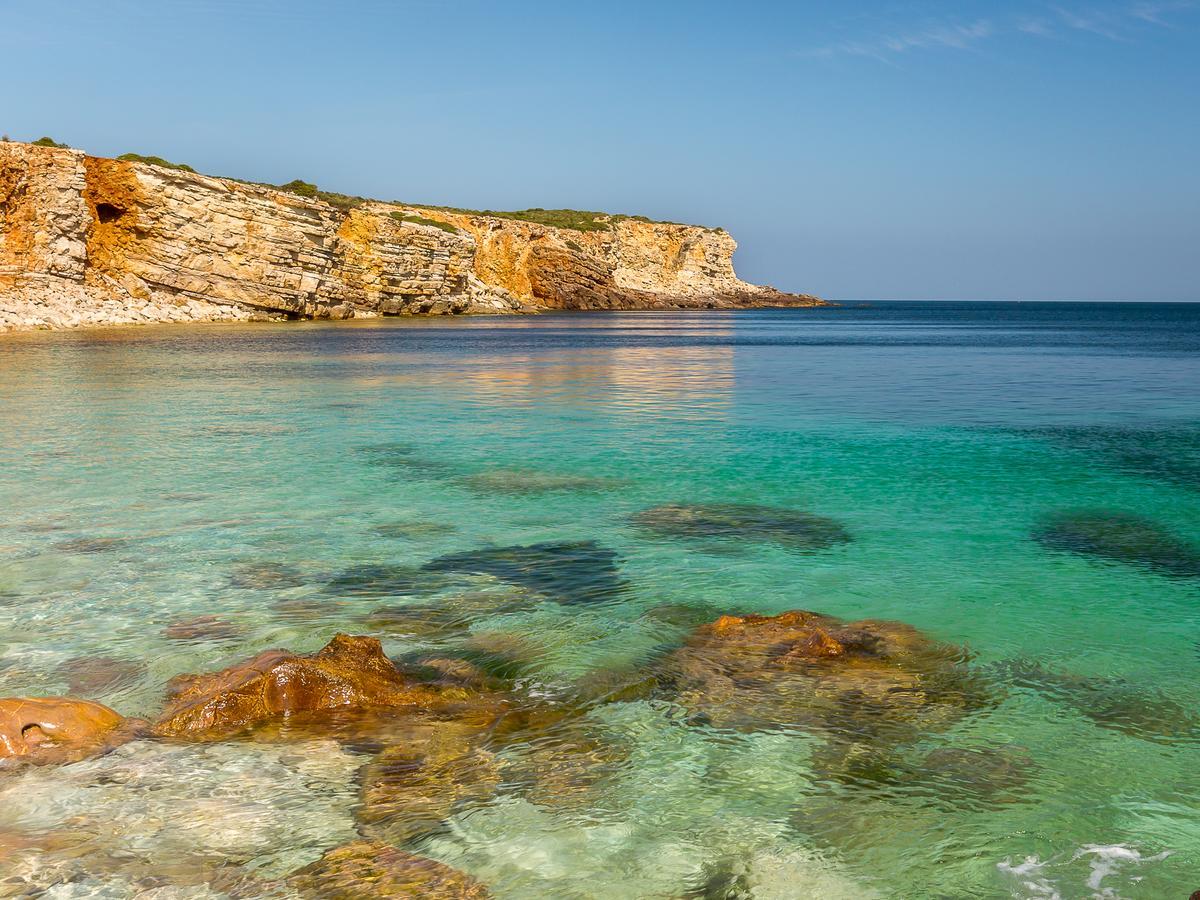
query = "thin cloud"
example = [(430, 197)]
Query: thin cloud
[(1113, 23), (952, 36)]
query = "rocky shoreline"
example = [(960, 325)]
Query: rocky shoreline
[(93, 241)]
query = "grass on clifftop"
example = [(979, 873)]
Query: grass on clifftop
[(50, 142), (421, 220), (155, 161), (571, 219)]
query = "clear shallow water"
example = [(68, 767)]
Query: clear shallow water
[(148, 475)]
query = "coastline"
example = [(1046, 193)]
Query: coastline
[(94, 241)]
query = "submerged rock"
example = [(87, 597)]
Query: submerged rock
[(745, 522), (201, 628), (1120, 537), (90, 545), (571, 572), (1168, 453), (947, 778), (265, 576), (410, 789), (349, 672), (100, 674), (410, 459), (412, 531), (1109, 702), (532, 481), (365, 869), (377, 581), (58, 729), (867, 680)]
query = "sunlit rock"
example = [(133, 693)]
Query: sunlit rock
[(349, 672), (871, 680), (58, 729)]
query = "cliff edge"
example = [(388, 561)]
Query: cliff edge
[(90, 240)]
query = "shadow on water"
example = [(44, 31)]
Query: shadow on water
[(1121, 537)]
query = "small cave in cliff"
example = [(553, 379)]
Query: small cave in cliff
[(106, 212)]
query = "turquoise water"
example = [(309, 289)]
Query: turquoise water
[(250, 473)]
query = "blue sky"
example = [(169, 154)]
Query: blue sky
[(931, 149)]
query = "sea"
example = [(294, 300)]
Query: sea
[(1017, 480)]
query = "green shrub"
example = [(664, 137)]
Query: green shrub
[(421, 220), (300, 189), (574, 245), (154, 161), (50, 142)]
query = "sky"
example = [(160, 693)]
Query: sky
[(871, 150)]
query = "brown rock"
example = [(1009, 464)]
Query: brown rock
[(348, 673), (411, 788), (56, 729), (364, 869), (859, 680)]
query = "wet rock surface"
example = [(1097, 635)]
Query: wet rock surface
[(868, 680), (792, 529), (570, 572), (57, 729), (349, 672), (1123, 537)]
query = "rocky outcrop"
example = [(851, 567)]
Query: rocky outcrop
[(57, 729), (87, 240), (349, 673), (870, 679)]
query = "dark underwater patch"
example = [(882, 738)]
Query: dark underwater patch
[(406, 458), (379, 581), (1120, 537), (90, 545), (532, 482), (265, 576), (1111, 703), (789, 528), (570, 572), (1170, 454)]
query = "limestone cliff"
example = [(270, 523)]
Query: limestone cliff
[(91, 240)]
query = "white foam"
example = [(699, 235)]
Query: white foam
[(1039, 879)]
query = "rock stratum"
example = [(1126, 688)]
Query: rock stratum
[(86, 240)]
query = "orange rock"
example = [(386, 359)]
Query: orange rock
[(805, 669), (55, 729), (348, 673)]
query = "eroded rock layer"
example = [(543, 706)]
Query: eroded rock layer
[(87, 240)]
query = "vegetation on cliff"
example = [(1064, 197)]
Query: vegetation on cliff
[(155, 161), (422, 220)]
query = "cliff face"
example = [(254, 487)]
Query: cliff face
[(85, 239)]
